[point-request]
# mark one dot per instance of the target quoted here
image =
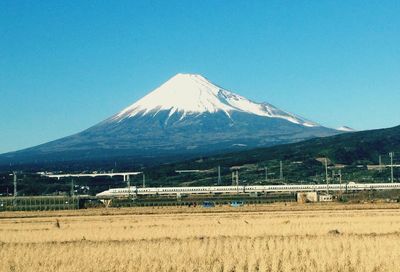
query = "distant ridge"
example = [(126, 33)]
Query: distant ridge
[(363, 147), (302, 160)]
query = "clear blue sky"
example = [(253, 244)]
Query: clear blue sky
[(66, 65)]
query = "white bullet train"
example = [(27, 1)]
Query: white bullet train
[(351, 186)]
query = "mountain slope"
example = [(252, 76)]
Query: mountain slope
[(301, 161), (354, 148), (186, 116)]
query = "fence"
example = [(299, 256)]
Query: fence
[(38, 203)]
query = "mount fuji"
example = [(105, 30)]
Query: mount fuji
[(186, 116)]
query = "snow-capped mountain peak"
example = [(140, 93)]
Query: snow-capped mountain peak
[(189, 94), (186, 117), (185, 93), (346, 129)]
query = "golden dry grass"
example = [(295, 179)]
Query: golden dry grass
[(255, 238)]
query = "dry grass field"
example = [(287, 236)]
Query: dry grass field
[(254, 238)]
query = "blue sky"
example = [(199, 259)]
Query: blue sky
[(66, 65)]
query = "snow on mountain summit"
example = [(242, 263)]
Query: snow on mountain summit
[(346, 129), (189, 94), (182, 93)]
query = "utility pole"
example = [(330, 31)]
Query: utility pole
[(219, 175), (380, 164), (72, 187), (280, 171), (15, 189), (128, 180), (391, 154), (266, 173), (235, 176), (326, 175), (237, 180), (144, 180), (15, 184), (340, 180)]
